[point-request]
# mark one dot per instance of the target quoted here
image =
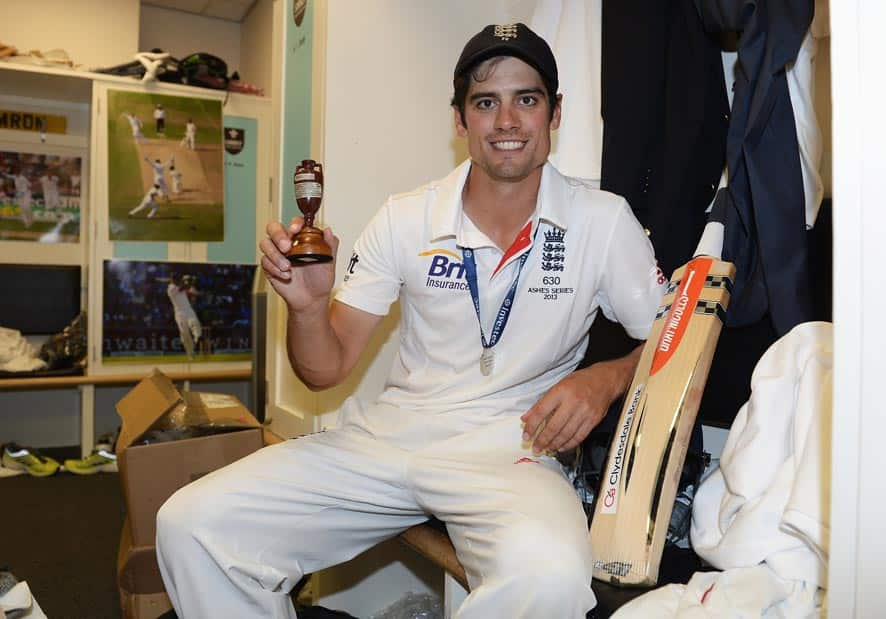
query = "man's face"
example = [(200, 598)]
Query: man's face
[(507, 120)]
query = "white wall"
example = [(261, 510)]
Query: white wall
[(256, 37), (181, 33), (858, 503), (95, 33)]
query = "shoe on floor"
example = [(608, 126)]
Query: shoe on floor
[(25, 459), (7, 581), (101, 460)]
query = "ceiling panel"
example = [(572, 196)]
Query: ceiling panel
[(230, 10)]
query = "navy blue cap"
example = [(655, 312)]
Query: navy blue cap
[(516, 40)]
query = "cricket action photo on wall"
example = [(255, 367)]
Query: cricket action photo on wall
[(165, 168), (39, 197), (176, 312)]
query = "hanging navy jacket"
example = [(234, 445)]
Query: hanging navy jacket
[(764, 200)]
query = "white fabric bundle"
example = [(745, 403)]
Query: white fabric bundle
[(769, 499), (19, 603), (763, 515), (16, 353), (573, 30)]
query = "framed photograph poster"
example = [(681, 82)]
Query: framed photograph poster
[(165, 168)]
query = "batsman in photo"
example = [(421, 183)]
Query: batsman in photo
[(165, 185), (39, 197), (169, 312)]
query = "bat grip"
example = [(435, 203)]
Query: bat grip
[(711, 242)]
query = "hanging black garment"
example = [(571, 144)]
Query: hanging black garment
[(665, 117), (764, 201)]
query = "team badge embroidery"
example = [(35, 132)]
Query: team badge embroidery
[(506, 32), (554, 250), (235, 139)]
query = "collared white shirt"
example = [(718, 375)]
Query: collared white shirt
[(587, 253)]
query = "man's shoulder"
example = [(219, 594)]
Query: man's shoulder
[(582, 189), (585, 197), (589, 190), (420, 195), (406, 199)]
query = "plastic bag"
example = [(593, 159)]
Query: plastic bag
[(413, 606)]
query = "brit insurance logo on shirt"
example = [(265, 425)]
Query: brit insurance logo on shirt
[(445, 270), (551, 280)]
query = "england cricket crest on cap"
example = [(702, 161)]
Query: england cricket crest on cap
[(234, 140), (506, 32), (553, 252)]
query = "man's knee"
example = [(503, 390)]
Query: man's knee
[(183, 514), (541, 570), (547, 560)]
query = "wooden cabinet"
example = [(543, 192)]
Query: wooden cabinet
[(42, 416)]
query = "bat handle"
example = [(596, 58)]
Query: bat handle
[(711, 242)]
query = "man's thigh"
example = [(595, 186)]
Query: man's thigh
[(505, 508), (309, 502)]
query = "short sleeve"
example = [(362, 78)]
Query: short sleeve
[(632, 285), (372, 277)]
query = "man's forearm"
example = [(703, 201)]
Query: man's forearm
[(627, 365), (315, 352), (618, 373)]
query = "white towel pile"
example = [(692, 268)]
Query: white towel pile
[(762, 517), (16, 353)]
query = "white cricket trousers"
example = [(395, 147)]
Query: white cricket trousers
[(235, 542)]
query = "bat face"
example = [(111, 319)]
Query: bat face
[(639, 483)]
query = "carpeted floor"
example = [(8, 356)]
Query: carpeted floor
[(60, 534)]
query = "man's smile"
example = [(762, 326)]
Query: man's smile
[(508, 144)]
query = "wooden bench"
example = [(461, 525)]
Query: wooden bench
[(431, 541)]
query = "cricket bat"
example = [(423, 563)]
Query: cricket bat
[(639, 483)]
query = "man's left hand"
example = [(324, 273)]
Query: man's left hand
[(566, 414)]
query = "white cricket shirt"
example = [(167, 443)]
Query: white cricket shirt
[(587, 252), (181, 304)]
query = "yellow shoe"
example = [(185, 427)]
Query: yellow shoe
[(21, 458), (99, 461)]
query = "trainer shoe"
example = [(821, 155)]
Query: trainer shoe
[(101, 460), (681, 518), (7, 581), (26, 459)]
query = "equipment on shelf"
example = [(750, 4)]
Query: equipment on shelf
[(67, 349), (199, 69)]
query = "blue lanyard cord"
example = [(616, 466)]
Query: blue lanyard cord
[(501, 319)]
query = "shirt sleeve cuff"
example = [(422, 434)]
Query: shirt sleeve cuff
[(376, 307)]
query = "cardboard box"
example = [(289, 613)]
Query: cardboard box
[(139, 584), (152, 473), (137, 567), (144, 605)]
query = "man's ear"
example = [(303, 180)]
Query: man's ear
[(460, 128), (555, 118)]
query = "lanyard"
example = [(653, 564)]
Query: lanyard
[(501, 319)]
